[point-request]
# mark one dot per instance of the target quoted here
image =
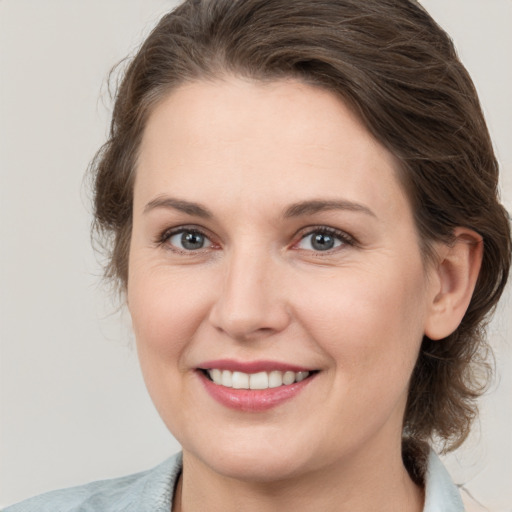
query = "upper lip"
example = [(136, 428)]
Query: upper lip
[(252, 366)]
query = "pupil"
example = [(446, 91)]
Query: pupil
[(322, 242), (192, 240)]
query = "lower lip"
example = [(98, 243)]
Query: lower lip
[(253, 400)]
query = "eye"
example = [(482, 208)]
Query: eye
[(187, 240), (324, 239)]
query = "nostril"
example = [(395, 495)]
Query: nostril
[(249, 302), (249, 322)]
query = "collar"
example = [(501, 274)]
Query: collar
[(441, 494)]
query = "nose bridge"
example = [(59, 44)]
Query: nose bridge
[(250, 301)]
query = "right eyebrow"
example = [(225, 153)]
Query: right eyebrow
[(181, 205), (319, 205)]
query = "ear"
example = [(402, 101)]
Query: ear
[(453, 278)]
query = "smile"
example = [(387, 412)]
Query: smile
[(260, 380), (253, 386)]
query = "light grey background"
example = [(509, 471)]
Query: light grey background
[(73, 404)]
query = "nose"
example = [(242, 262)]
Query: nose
[(251, 303)]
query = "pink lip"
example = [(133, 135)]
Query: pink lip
[(252, 366), (257, 400)]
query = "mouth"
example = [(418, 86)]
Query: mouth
[(253, 387), (255, 381)]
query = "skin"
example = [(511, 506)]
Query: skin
[(247, 151)]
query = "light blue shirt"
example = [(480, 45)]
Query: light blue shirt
[(152, 491)]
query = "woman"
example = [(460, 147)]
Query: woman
[(301, 199)]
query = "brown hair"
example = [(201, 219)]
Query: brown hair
[(399, 71)]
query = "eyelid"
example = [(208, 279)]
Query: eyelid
[(165, 235), (343, 236)]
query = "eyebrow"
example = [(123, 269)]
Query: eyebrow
[(319, 205), (179, 204), (295, 210)]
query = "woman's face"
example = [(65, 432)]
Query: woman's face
[(271, 235)]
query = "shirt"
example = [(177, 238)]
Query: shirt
[(152, 491)]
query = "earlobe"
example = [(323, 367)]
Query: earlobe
[(456, 275)]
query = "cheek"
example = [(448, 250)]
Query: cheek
[(166, 311), (370, 323)]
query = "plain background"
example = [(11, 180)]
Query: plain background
[(73, 403)]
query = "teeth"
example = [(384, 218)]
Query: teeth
[(260, 380), (227, 379), (288, 378), (301, 376), (275, 379), (216, 376), (240, 380)]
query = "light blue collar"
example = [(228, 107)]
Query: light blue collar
[(152, 491), (441, 494)]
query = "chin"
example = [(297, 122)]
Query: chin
[(254, 463), (257, 469)]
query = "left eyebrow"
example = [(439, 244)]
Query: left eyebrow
[(318, 205), (180, 205)]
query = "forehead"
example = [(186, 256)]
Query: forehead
[(262, 140)]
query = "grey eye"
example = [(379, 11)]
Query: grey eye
[(318, 241), (189, 240)]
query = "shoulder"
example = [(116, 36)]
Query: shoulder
[(148, 491)]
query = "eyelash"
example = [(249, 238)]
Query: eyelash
[(345, 239), (166, 235)]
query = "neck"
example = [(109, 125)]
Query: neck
[(363, 484)]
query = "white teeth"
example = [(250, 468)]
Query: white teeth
[(288, 378), (240, 380), (260, 380), (227, 379), (216, 376), (275, 379)]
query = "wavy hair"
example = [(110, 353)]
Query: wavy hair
[(400, 73)]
